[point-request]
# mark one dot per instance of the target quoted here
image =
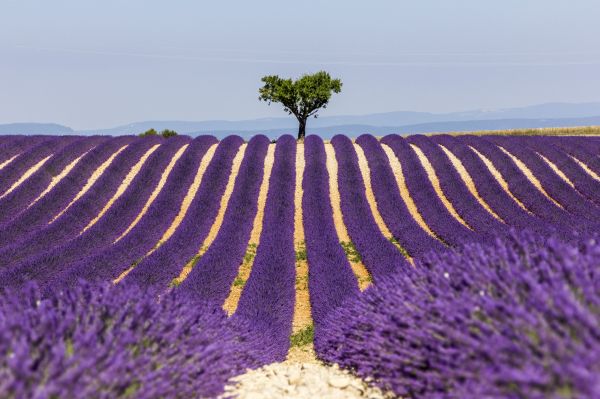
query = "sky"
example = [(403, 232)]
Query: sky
[(100, 63)]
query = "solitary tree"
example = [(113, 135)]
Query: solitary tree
[(302, 98)]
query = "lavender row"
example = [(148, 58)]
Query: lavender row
[(391, 205), (16, 169), (502, 321), (157, 270), (108, 263), (379, 255), (556, 187), (435, 214), (40, 267), (579, 149), (42, 212), (465, 204), (490, 190), (521, 187), (267, 301), (104, 342), (211, 278), (70, 223), (330, 278), (16, 145), (26, 193), (583, 182)]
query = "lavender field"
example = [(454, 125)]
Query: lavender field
[(429, 266)]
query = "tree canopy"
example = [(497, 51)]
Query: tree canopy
[(303, 97)]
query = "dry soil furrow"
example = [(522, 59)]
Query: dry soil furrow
[(157, 190), (557, 170), (404, 193), (121, 189), (586, 168), (56, 179), (214, 229), (359, 269), (230, 304), (365, 171), (530, 176), (8, 161), (435, 182), (26, 175), (466, 178), (499, 178), (302, 321), (90, 182), (185, 204)]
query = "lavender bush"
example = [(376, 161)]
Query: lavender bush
[(116, 342), (518, 319)]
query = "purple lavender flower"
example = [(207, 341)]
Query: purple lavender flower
[(518, 319), (108, 342)]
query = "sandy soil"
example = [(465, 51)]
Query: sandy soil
[(499, 178), (93, 178), (214, 229), (8, 161), (302, 310), (359, 269), (586, 168), (403, 188), (435, 182), (365, 171), (466, 178), (530, 176), (123, 186), (189, 196), (26, 175), (56, 179), (245, 268), (157, 190), (557, 170)]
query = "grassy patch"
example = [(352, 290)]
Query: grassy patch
[(395, 241), (250, 254), (239, 282), (351, 252), (301, 252), (303, 337)]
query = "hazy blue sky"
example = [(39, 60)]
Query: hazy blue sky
[(90, 64)]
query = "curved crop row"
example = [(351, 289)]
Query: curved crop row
[(117, 218), (72, 222), (213, 274), (108, 263), (164, 264), (267, 301)]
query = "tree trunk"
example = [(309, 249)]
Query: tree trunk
[(302, 129)]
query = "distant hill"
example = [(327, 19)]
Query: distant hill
[(434, 127), (543, 115), (35, 128), (383, 121)]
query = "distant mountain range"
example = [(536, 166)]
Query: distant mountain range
[(401, 122)]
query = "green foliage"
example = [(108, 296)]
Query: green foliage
[(239, 282), (168, 133), (165, 133), (301, 252), (395, 241), (303, 337), (303, 97), (149, 132), (351, 252), (250, 253)]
